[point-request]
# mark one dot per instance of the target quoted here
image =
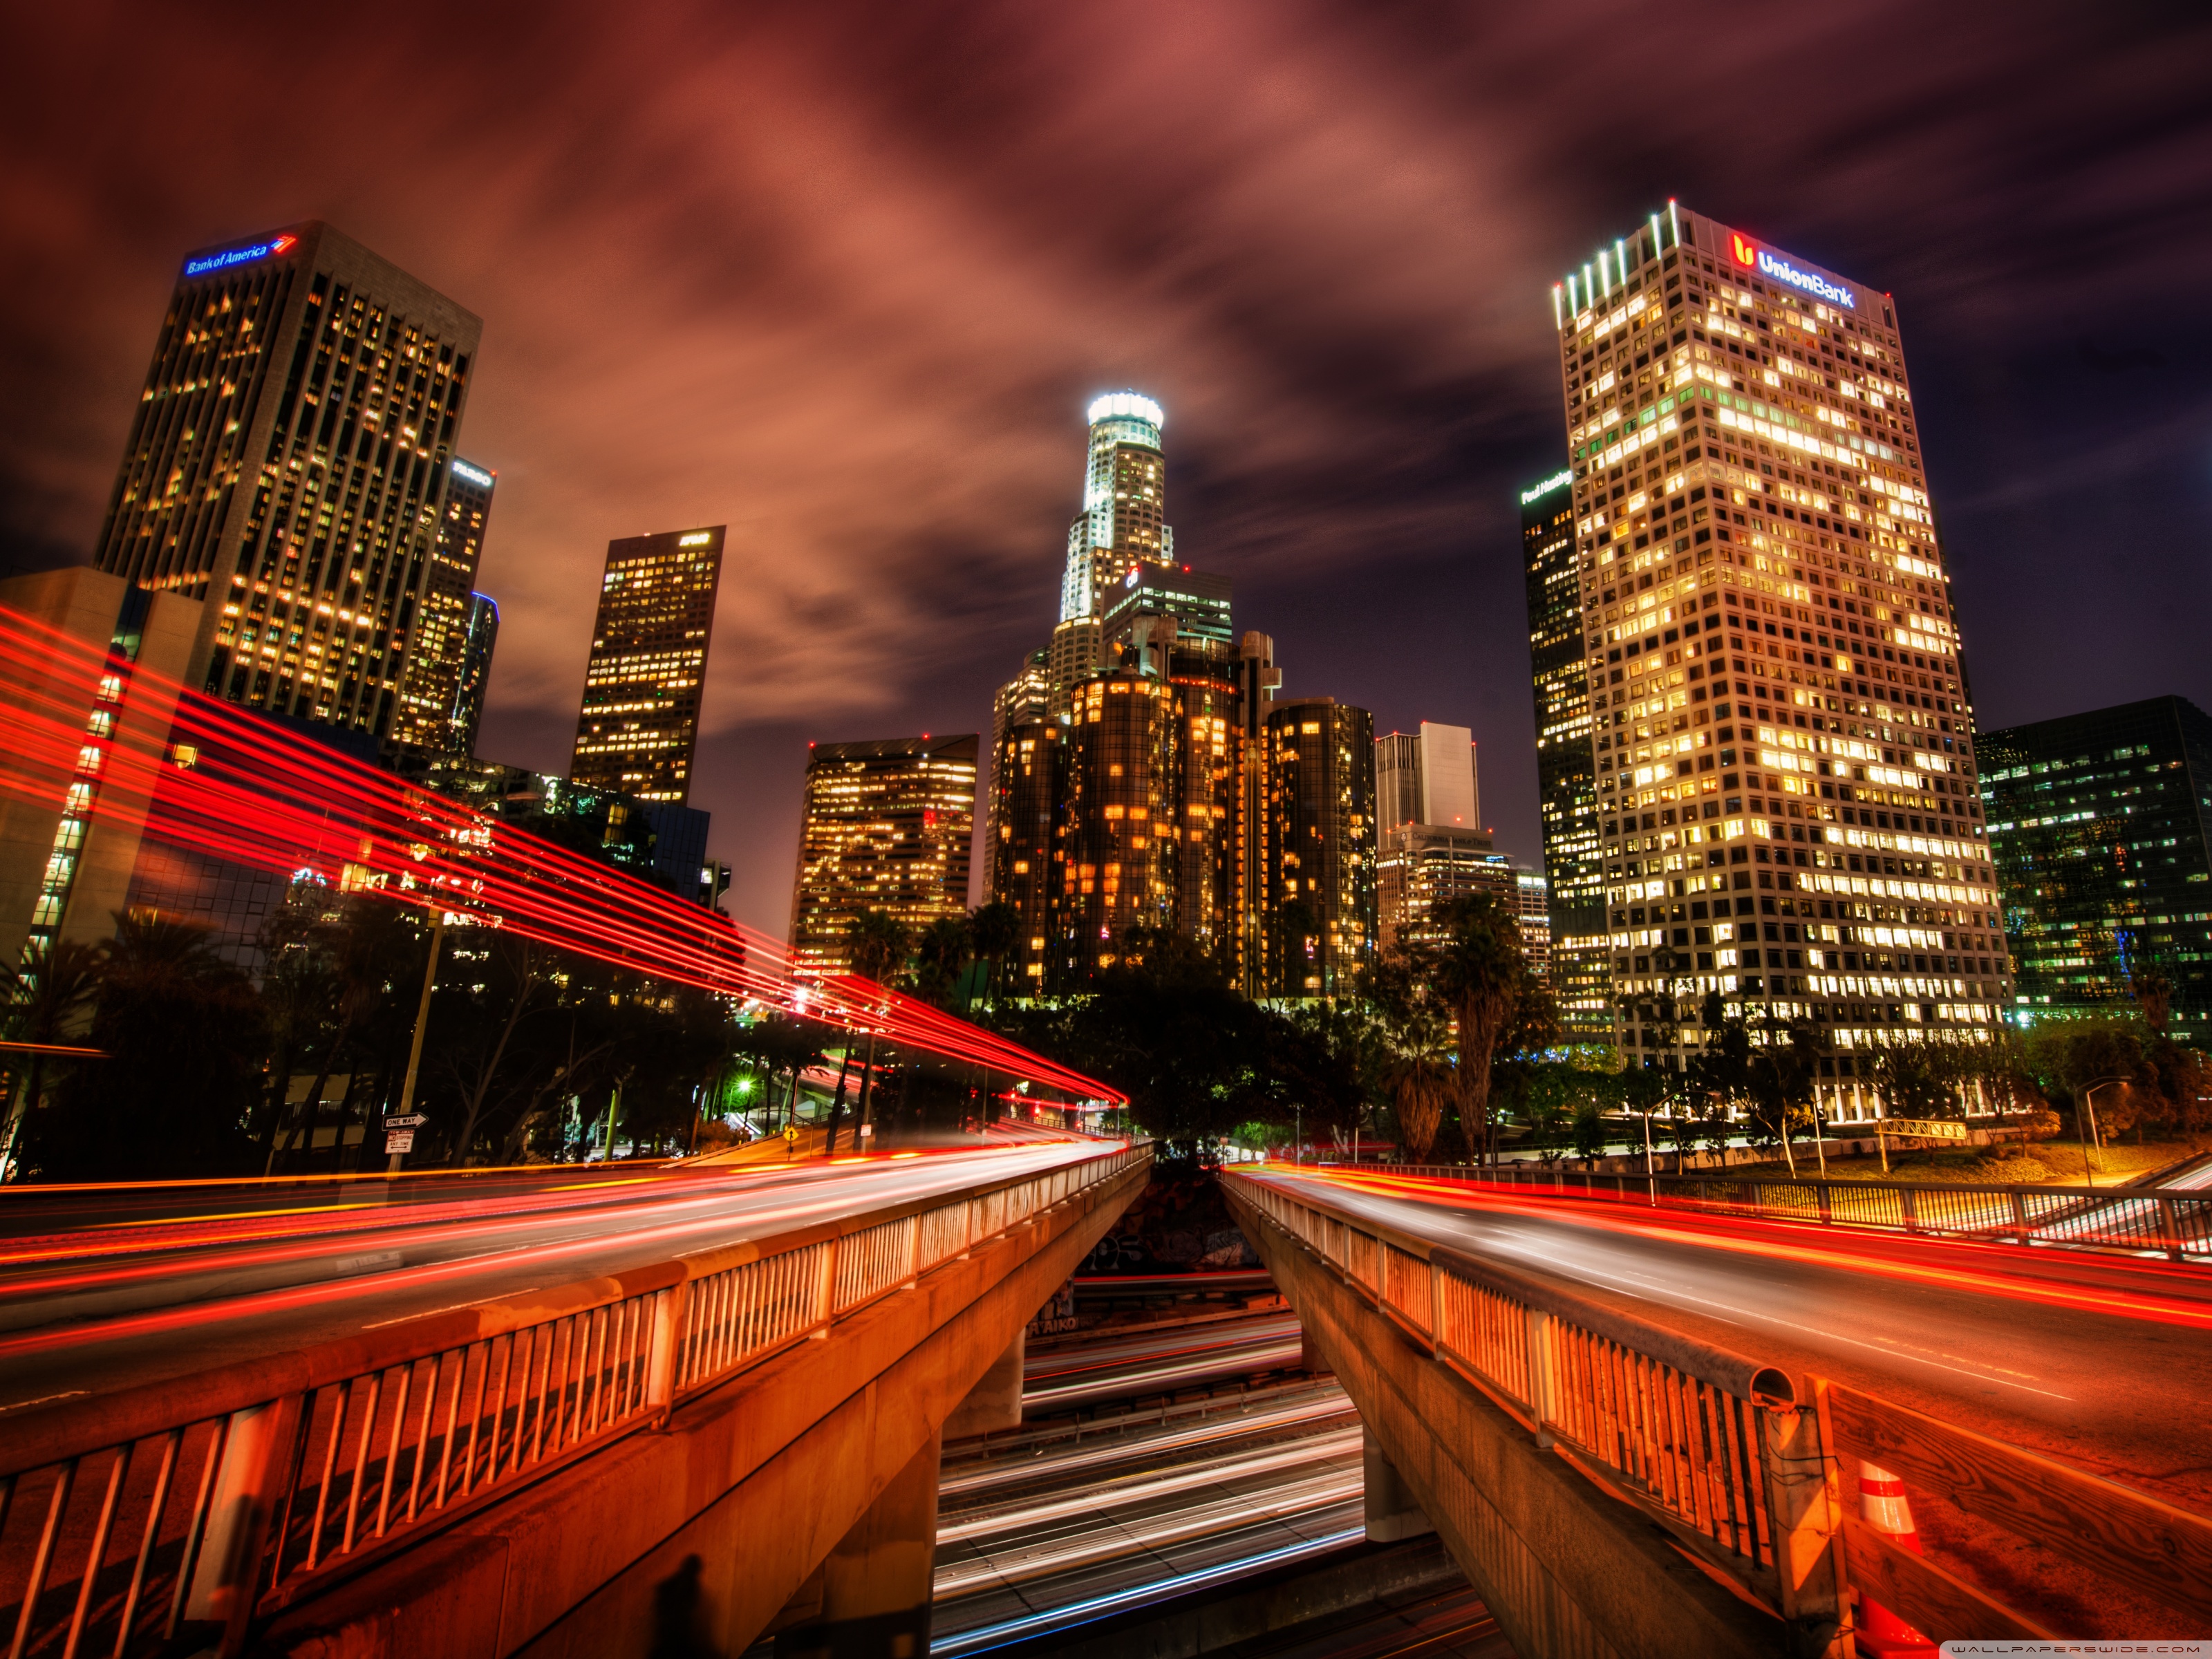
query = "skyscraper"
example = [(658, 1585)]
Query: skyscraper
[(1581, 953), (1028, 777), (1785, 768), (288, 464), (885, 826), (2101, 825), (640, 723), (430, 693), (478, 641), (1427, 776), (1318, 924), (1122, 522), (1120, 853)]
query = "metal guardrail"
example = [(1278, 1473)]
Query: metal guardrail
[(1742, 1464), (1715, 1446), (2130, 1218), (203, 1503)]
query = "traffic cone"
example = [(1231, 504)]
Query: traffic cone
[(1886, 1509)]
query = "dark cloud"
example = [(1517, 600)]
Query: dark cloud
[(844, 276)]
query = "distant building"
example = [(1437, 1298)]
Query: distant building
[(483, 633), (639, 728), (1198, 603), (1566, 777), (1122, 523), (2101, 825), (1121, 855), (1427, 776), (1422, 868), (1318, 924), (289, 464), (886, 825), (430, 701), (664, 842)]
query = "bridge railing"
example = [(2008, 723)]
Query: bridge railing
[(199, 1504), (1715, 1447), (1742, 1463), (2132, 1218)]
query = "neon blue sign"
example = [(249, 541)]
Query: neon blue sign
[(240, 256), (1783, 271)]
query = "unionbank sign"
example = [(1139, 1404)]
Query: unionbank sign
[(239, 256), (1750, 254)]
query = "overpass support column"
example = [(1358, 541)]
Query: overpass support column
[(874, 1587), (1393, 1512), (995, 1403)]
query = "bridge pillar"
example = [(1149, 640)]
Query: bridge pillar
[(995, 1403), (873, 1587), (1393, 1512)]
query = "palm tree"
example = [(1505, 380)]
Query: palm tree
[(940, 955), (48, 999), (994, 931), (880, 945), (1479, 970)]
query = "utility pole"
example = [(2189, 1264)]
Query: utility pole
[(421, 1023)]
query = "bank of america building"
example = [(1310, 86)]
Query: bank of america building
[(1780, 725)]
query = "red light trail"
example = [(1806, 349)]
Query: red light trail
[(191, 772), (1787, 1241)]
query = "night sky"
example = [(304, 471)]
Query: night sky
[(844, 278)]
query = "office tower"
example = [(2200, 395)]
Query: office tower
[(1567, 778), (1076, 652), (1028, 769), (1532, 908), (1426, 777), (288, 464), (1120, 853), (2099, 827), (68, 843), (885, 826), (1786, 793), (1124, 504), (1024, 700), (476, 642), (1318, 925), (640, 723), (1198, 603), (1421, 867), (430, 689)]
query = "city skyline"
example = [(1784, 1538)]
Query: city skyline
[(1296, 475)]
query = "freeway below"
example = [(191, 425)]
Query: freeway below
[(2105, 1361), (105, 1288)]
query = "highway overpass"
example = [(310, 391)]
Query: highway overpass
[(1641, 1431), (585, 1412)]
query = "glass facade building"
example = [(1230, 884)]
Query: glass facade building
[(289, 463), (1318, 925), (1123, 520), (430, 712), (1781, 728), (886, 825), (639, 728), (1028, 767), (2101, 825)]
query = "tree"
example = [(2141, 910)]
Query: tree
[(995, 932), (880, 947), (1479, 970), (48, 1000), (363, 950), (185, 1039), (940, 955)]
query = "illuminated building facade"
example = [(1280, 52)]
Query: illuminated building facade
[(431, 688), (1123, 520), (1119, 856), (1580, 948), (1318, 925), (885, 826), (1780, 725), (640, 723), (2101, 825), (1420, 868), (1028, 777), (288, 464), (477, 640), (1427, 776)]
